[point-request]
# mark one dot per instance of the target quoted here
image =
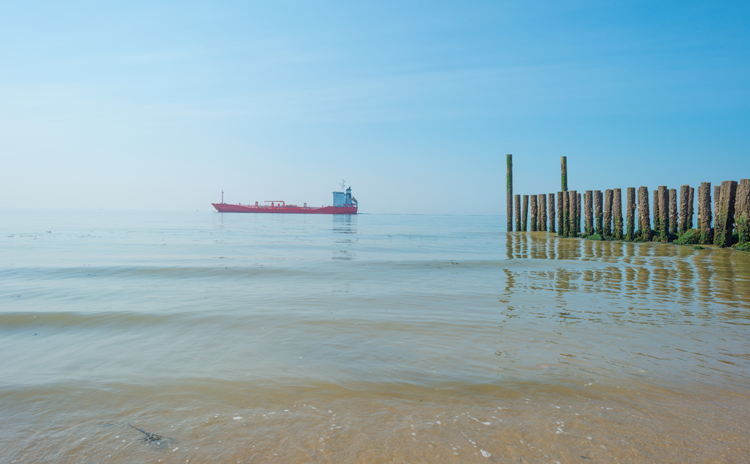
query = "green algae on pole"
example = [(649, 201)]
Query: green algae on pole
[(742, 212), (644, 219), (564, 173), (534, 213), (509, 191), (588, 213), (617, 214), (630, 212), (706, 233), (525, 219), (724, 223), (552, 213), (518, 213), (543, 212)]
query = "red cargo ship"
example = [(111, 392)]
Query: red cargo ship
[(343, 203)]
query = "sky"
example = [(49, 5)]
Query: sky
[(162, 105)]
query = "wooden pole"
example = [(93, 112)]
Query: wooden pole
[(534, 213), (552, 213), (684, 203), (509, 191), (578, 215), (560, 213), (717, 197), (543, 212), (525, 220), (657, 216), (607, 213), (572, 197), (704, 213), (598, 212), (644, 219), (588, 213), (517, 199), (673, 214), (564, 173), (663, 195), (742, 211), (617, 214), (566, 220), (725, 216), (630, 212)]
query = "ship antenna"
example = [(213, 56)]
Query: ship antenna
[(222, 197), (343, 184)]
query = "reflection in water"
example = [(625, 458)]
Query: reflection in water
[(649, 274), (344, 224)]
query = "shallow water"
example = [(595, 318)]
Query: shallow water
[(373, 338)]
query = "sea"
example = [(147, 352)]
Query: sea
[(179, 337)]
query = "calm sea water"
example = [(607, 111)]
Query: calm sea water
[(373, 338)]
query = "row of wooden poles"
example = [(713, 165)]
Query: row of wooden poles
[(602, 213)]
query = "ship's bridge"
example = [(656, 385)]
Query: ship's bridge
[(344, 199)]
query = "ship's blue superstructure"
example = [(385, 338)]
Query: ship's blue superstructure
[(344, 199)]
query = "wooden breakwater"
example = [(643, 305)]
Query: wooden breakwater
[(670, 216)]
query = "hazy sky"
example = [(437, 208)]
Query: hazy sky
[(161, 105)]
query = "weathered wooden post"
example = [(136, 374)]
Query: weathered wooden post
[(742, 211), (725, 217), (663, 213), (704, 213), (572, 197), (566, 220), (644, 219), (560, 214), (717, 197), (518, 213), (655, 195), (598, 214), (525, 220), (607, 213), (543, 212), (673, 211), (509, 191), (564, 173), (630, 212), (684, 203), (552, 213), (534, 214), (691, 195), (617, 214), (588, 213), (578, 215)]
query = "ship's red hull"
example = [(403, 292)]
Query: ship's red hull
[(286, 209)]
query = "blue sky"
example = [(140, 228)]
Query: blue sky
[(161, 105)]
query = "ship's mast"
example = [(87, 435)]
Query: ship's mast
[(343, 184), (222, 197)]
